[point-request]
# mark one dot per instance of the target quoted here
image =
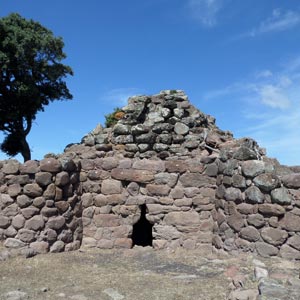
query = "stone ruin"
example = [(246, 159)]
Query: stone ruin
[(164, 176)]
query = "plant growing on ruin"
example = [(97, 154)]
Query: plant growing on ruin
[(31, 76), (114, 117)]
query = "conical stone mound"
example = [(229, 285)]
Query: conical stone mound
[(163, 126)]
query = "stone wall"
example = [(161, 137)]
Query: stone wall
[(165, 162), (39, 207)]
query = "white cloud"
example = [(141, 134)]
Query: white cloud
[(119, 97), (268, 110), (279, 21), (205, 11), (273, 96)]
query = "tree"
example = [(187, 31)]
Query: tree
[(31, 76)]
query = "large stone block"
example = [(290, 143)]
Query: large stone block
[(254, 195), (266, 182), (281, 196), (51, 165), (274, 236), (4, 221), (158, 189), (271, 209), (236, 222), (290, 222), (265, 249), (106, 220), (176, 166), (32, 190), (150, 165), (253, 168), (289, 253), (111, 186), (142, 176), (196, 180), (292, 180), (166, 178), (35, 223), (187, 219), (250, 234)]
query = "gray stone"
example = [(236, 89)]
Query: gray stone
[(196, 180), (14, 243), (111, 186), (245, 153), (238, 181), (250, 234), (142, 176), (32, 190), (121, 129), (26, 235), (253, 168), (40, 247), (266, 182), (62, 178), (35, 223), (290, 222), (271, 209), (272, 290), (211, 170), (51, 165), (30, 211), (146, 138), (281, 196), (256, 220), (176, 166), (292, 180), (265, 249), (11, 167), (5, 200), (254, 195), (150, 165), (245, 208), (166, 232), (4, 222), (29, 167), (294, 241), (166, 178), (181, 128), (58, 246), (56, 223), (236, 222), (11, 210), (24, 201), (14, 190), (18, 221), (158, 189), (274, 236), (233, 194), (289, 253)]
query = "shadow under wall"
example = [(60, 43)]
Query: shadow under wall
[(142, 230)]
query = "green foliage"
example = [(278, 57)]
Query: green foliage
[(172, 92), (31, 76), (113, 118)]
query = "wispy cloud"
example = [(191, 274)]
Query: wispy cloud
[(205, 11), (278, 21), (119, 96), (268, 105)]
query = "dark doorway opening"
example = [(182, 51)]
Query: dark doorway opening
[(142, 230)]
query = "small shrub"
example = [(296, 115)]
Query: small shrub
[(114, 117)]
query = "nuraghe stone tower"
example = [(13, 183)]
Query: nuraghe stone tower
[(164, 176)]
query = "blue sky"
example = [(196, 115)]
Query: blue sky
[(237, 60)]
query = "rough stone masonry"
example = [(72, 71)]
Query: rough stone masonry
[(165, 162)]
